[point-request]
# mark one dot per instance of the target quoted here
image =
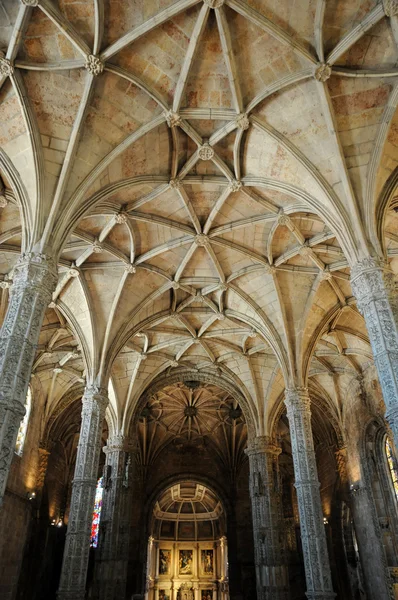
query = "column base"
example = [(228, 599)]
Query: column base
[(272, 593), (71, 594), (320, 595)]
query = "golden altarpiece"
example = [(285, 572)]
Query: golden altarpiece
[(187, 553)]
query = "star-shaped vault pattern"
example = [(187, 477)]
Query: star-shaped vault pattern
[(206, 173)]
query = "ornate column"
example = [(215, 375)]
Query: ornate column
[(112, 555), (77, 546), (271, 572), (370, 546), (224, 582), (376, 292), (316, 560), (34, 280), (44, 455)]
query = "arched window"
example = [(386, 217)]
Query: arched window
[(392, 464), (24, 424), (97, 512)]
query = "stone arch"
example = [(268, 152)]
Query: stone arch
[(192, 375)]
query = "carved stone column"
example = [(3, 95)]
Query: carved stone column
[(34, 280), (376, 293), (112, 556), (42, 468), (271, 572), (77, 546), (370, 546), (316, 559), (224, 582)]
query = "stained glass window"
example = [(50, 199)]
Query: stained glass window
[(24, 424), (97, 512), (392, 463)]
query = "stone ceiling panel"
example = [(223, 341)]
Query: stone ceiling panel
[(179, 161)]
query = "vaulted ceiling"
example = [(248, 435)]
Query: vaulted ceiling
[(205, 173)]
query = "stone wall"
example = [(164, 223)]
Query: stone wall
[(15, 516), (18, 511)]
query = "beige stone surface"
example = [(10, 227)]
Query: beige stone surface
[(291, 197)]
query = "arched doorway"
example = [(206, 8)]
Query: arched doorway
[(187, 548)]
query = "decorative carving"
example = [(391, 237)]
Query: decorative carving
[(107, 476), (206, 152), (175, 285), (316, 560), (185, 591), (42, 468), (265, 492), (304, 251), (6, 282), (326, 276), (94, 65), (283, 220), (201, 239), (130, 269), (96, 247), (30, 2), (73, 272), (323, 72), (214, 3), (341, 460), (3, 199), (390, 7), (121, 218), (77, 545), (112, 551), (376, 292), (6, 67), (175, 183), (173, 119), (234, 185), (269, 269), (34, 280), (242, 121)]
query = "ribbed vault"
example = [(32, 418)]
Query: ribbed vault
[(205, 173)]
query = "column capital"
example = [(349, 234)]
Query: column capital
[(263, 444), (117, 443), (34, 269), (95, 394), (372, 279), (297, 399)]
